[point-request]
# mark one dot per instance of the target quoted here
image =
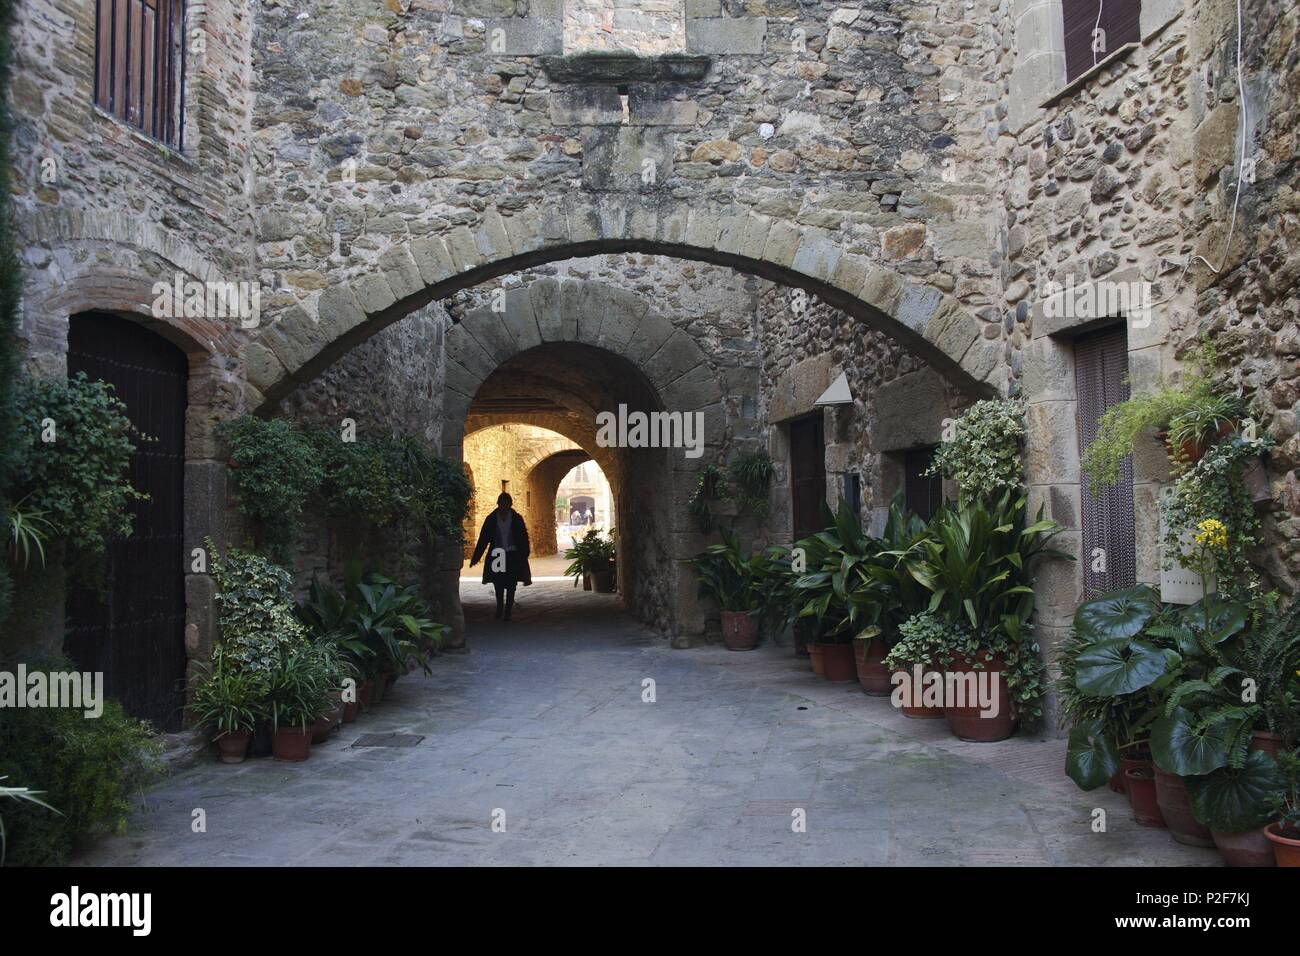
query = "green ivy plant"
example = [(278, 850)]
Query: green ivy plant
[(78, 482), (983, 453), (274, 470), (255, 609)]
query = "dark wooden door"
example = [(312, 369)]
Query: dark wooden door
[(922, 493), (133, 627), (807, 475), (1109, 541)]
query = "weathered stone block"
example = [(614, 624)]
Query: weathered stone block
[(739, 35)]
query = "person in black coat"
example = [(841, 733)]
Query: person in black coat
[(505, 540)]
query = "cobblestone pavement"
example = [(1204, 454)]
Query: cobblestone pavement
[(543, 722)]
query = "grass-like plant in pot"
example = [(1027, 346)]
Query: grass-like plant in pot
[(229, 701), (297, 693), (730, 578), (1188, 416)]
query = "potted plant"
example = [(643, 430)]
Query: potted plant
[(838, 591), (1236, 804), (1140, 785), (591, 560), (231, 702), (1284, 832), (901, 596), (916, 663), (1107, 703), (727, 577), (1188, 416), (297, 693), (977, 562)]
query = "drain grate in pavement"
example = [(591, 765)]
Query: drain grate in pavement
[(388, 740)]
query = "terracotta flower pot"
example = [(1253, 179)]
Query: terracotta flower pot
[(1140, 759), (586, 581), (837, 663), (602, 581), (291, 743), (320, 729), (1266, 741), (739, 631), (233, 747), (1251, 848), (1176, 808), (1141, 785), (919, 711), (869, 658), (815, 656), (1286, 849), (968, 720), (350, 710)]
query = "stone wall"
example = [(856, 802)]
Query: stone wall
[(645, 27), (1131, 175), (898, 402)]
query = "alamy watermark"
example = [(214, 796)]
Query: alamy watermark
[(923, 688), (72, 689), (190, 299), (1099, 300), (624, 429)]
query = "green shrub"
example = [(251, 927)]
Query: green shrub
[(77, 482), (87, 769), (274, 469), (255, 608)]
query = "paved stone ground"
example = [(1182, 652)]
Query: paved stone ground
[(544, 720)]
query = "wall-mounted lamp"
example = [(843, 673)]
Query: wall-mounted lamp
[(837, 394)]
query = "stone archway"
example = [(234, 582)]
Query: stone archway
[(543, 482), (307, 337)]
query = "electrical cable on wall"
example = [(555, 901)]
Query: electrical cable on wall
[(1241, 164)]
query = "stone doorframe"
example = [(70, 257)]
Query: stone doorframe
[(1052, 462), (125, 289)]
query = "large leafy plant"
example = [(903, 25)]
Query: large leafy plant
[(728, 576), (377, 625), (838, 589)]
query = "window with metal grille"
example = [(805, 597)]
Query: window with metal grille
[(140, 65), (1101, 380), (1094, 29)]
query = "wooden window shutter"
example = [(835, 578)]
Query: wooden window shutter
[(1101, 379), (1119, 22)]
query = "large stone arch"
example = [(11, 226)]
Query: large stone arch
[(305, 338), (624, 350)]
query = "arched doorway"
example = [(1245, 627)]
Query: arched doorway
[(133, 627), (563, 387)]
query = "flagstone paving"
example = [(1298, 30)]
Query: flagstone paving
[(543, 724)]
